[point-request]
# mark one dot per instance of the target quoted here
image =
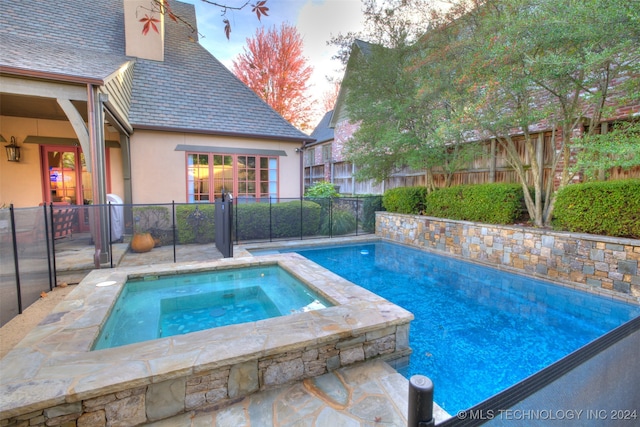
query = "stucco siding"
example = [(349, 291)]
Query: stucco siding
[(158, 171)]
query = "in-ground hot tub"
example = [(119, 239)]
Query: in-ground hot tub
[(154, 306), (53, 373)]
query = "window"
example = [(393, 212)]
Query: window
[(326, 153), (246, 177), (198, 177), (310, 157)]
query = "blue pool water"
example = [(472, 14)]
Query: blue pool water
[(163, 306), (477, 330)]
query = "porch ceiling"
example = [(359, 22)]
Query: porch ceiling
[(36, 107)]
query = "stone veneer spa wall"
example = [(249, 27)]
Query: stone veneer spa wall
[(53, 379)]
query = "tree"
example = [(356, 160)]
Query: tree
[(273, 66), (330, 95), (400, 123), (501, 70), (599, 153), (529, 70), (164, 7)]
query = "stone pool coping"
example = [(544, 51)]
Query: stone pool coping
[(54, 366), (248, 249)]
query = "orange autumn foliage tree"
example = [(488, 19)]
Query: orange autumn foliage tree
[(273, 66)]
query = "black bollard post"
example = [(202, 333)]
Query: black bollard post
[(420, 402)]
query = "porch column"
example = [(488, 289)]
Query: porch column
[(98, 175)]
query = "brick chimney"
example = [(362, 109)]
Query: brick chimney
[(141, 38)]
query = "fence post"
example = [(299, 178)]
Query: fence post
[(173, 226), (330, 217), (15, 257), (110, 235), (420, 412), (48, 221), (357, 212)]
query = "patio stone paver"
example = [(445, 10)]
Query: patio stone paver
[(369, 394)]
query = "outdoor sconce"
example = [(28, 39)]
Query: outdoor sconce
[(13, 151)]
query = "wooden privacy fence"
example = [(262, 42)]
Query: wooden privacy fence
[(490, 165)]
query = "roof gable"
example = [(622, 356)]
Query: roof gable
[(190, 91), (323, 132), (359, 47)]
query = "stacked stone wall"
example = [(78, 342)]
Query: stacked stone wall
[(217, 388), (599, 262)]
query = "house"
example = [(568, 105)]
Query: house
[(492, 165), (113, 97), (324, 159), (318, 155)]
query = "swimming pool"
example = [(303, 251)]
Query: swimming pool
[(476, 330), (155, 306)]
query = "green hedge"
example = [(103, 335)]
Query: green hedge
[(609, 208), (490, 203), (372, 204), (252, 221), (339, 222), (405, 200), (195, 223)]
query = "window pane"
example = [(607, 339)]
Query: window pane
[(264, 162), (197, 177), (264, 175)]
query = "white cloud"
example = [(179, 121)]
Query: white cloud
[(318, 22)]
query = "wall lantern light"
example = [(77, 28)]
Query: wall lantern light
[(13, 151)]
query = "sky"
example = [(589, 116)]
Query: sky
[(316, 21)]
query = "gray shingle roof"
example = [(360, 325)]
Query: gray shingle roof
[(71, 37), (322, 132), (189, 91)]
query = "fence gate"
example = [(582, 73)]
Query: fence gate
[(223, 223)]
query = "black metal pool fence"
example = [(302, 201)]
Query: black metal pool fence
[(31, 239)]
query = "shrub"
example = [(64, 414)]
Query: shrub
[(155, 220), (406, 200), (322, 189), (195, 223), (340, 221), (490, 203), (609, 208), (259, 221), (372, 204), (151, 217)]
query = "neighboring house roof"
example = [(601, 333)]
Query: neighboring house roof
[(323, 132), (189, 91), (339, 109)]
